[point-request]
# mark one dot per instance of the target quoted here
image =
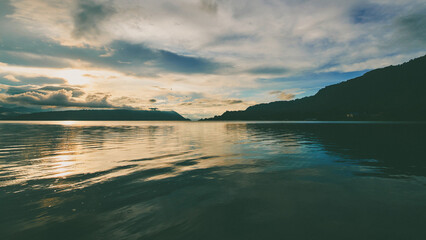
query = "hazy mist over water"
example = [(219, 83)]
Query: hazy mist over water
[(212, 180)]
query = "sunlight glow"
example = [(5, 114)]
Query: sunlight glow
[(63, 166), (67, 123)]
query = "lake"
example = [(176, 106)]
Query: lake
[(212, 180)]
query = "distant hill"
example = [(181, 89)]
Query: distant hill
[(390, 93), (102, 115), (8, 112)]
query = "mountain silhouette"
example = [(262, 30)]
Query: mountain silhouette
[(390, 93), (102, 115)]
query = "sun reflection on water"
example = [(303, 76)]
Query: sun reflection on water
[(68, 123), (63, 166), (72, 148)]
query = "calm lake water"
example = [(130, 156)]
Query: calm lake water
[(212, 180)]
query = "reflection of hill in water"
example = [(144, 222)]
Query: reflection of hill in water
[(397, 149)]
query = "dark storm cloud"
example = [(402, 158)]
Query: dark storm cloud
[(89, 16)]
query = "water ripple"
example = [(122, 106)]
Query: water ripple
[(166, 180)]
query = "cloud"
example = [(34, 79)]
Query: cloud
[(33, 51), (411, 29), (233, 39), (88, 18), (61, 98), (21, 80), (211, 102), (123, 56), (11, 78), (305, 35), (209, 6), (18, 90), (130, 56), (283, 95), (218, 49), (364, 13), (55, 96), (234, 101), (268, 70), (76, 92), (18, 57)]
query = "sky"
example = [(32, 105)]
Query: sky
[(197, 57)]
